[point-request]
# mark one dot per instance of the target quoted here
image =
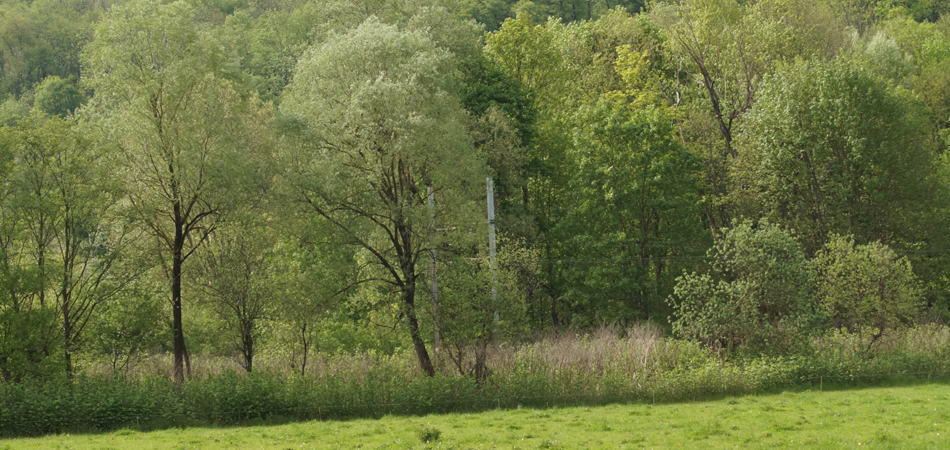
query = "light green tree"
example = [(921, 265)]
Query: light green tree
[(237, 276), (80, 240), (866, 287), (532, 55), (729, 48), (380, 123), (758, 295), (471, 318), (922, 54), (131, 325), (27, 328), (186, 137)]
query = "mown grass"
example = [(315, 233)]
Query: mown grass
[(883, 417)]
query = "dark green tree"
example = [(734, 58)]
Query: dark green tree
[(634, 215), (57, 97), (829, 148)]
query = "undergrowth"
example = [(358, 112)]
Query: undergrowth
[(599, 368)]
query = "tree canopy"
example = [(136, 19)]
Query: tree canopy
[(294, 177)]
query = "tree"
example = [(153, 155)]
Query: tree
[(237, 277), (730, 47), (39, 39), (26, 328), (471, 317), (866, 287), (634, 192), (831, 149), (130, 325), (186, 136), (758, 294), (531, 54), (70, 201), (923, 54), (382, 124), (316, 276), (57, 97)]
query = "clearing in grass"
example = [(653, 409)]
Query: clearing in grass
[(889, 417)]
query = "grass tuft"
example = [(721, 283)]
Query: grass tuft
[(428, 434)]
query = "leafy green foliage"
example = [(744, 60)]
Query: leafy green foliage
[(486, 86), (757, 295), (238, 280), (635, 194), (381, 127), (26, 343), (129, 326), (479, 303), (57, 97), (537, 376), (830, 149), (866, 286), (428, 434), (41, 39), (188, 138), (614, 140)]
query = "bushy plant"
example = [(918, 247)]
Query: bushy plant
[(866, 287), (26, 346), (568, 370), (428, 434), (479, 303), (758, 294)]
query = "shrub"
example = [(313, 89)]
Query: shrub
[(866, 286), (428, 434), (757, 296)]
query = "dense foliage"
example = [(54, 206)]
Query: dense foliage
[(298, 179)]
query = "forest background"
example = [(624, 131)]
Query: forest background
[(289, 181)]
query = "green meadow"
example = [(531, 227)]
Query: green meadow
[(883, 417)]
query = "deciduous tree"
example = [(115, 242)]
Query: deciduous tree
[(185, 134), (758, 294), (382, 123), (866, 287), (634, 197), (829, 148)]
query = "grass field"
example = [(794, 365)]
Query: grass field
[(890, 417)]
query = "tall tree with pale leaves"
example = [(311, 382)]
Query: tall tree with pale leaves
[(184, 132)]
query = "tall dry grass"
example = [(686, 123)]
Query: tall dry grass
[(628, 355), (638, 349), (602, 366)]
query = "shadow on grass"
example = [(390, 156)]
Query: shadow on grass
[(276, 418)]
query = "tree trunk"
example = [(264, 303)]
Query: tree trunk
[(247, 348), (67, 336), (481, 363), (409, 303), (179, 335), (305, 340), (66, 297), (41, 261), (67, 354)]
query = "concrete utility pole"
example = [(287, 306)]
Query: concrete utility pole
[(491, 252), (436, 314)]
